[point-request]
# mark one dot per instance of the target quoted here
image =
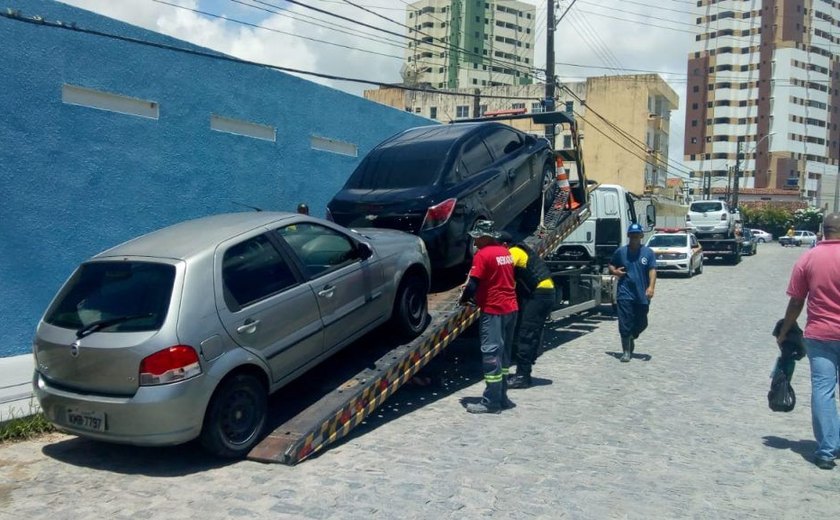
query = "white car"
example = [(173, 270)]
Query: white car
[(711, 217), (677, 251), (762, 236), (800, 238)]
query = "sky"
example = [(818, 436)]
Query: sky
[(594, 37)]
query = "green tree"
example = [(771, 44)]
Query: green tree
[(772, 219), (808, 219)]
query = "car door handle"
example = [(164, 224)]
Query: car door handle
[(511, 174), (249, 327), (327, 291)]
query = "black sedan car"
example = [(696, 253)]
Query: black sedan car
[(437, 181)]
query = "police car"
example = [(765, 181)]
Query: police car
[(677, 250)]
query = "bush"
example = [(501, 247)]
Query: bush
[(771, 219)]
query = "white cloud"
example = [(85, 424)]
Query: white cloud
[(583, 37)]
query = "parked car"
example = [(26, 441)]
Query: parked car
[(437, 181), (799, 238), (762, 236), (677, 251), (711, 217), (749, 245), (183, 333)]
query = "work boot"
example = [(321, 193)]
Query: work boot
[(507, 404), (483, 407), (632, 344), (518, 381), (626, 343)]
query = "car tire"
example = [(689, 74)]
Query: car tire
[(700, 267), (760, 240), (235, 417), (549, 177), (411, 306)]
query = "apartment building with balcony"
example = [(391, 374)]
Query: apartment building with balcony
[(463, 43), (766, 72), (630, 150)]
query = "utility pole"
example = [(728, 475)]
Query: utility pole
[(549, 68), (476, 102), (837, 184), (737, 175), (728, 196)]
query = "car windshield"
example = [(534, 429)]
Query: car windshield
[(407, 165), (133, 295), (667, 241), (705, 207)]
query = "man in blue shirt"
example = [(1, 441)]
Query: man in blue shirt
[(635, 267)]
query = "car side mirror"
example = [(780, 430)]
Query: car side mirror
[(650, 216), (365, 251)]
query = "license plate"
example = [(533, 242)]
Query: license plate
[(86, 420)]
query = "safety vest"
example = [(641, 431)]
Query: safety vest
[(535, 272)]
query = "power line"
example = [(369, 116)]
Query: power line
[(447, 47), (42, 22), (639, 21)]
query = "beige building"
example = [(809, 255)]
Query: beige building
[(462, 43), (632, 152)]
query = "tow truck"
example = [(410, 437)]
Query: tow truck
[(350, 400)]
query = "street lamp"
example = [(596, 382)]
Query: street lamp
[(735, 187)]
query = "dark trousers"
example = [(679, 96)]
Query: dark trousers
[(496, 333), (530, 327), (632, 318)]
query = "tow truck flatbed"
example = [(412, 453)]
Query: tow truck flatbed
[(333, 416)]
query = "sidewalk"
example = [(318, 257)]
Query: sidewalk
[(16, 399)]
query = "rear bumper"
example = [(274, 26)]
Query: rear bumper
[(154, 416)]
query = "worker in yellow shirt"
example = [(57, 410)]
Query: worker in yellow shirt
[(536, 295)]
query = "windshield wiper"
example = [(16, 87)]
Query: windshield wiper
[(90, 328)]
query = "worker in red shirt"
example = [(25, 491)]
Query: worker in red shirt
[(491, 285)]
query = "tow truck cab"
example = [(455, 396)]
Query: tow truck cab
[(613, 209)]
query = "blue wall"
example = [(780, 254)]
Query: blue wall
[(77, 180)]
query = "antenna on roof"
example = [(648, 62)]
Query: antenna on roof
[(246, 206)]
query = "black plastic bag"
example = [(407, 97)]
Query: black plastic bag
[(781, 397)]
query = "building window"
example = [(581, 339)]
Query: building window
[(433, 112), (570, 106), (567, 142), (693, 140), (693, 122), (110, 102), (462, 111), (694, 106), (517, 106)]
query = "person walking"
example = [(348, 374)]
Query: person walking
[(535, 296), (491, 286), (816, 279), (635, 267)]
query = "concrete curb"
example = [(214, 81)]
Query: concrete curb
[(16, 398)]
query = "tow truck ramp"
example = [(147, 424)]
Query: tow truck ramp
[(334, 415)]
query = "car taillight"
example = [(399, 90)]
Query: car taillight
[(439, 214), (169, 365)]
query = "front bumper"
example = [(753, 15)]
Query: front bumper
[(673, 266), (154, 416)]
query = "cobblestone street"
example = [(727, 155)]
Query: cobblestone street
[(683, 431)]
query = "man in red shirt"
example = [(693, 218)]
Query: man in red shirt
[(816, 277), (491, 284)]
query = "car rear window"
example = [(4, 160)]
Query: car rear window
[(667, 241), (138, 291), (405, 166), (704, 207)]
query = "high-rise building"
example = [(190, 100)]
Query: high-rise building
[(469, 43), (766, 73)]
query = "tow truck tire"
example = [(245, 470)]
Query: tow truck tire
[(411, 306), (235, 417), (700, 267)]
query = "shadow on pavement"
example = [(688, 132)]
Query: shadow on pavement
[(805, 448), (174, 461)]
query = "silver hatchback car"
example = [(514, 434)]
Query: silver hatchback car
[(184, 332)]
